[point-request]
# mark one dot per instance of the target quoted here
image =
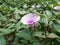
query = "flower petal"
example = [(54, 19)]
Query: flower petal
[(57, 8), (30, 18)]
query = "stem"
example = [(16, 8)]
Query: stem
[(52, 42), (32, 26), (45, 33)]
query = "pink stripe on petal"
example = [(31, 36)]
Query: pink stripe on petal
[(30, 18)]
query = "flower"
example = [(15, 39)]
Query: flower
[(57, 8), (30, 18), (38, 6), (33, 6)]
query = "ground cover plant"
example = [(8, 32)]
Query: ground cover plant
[(29, 22)]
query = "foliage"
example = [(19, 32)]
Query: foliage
[(13, 32)]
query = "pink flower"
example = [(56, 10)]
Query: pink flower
[(30, 18), (57, 8)]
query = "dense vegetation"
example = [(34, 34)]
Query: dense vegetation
[(13, 32)]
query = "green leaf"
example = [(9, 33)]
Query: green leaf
[(58, 21), (58, 39), (6, 30), (8, 24), (56, 4), (52, 35), (56, 27), (12, 20), (49, 14), (15, 41), (39, 34), (26, 34), (18, 26), (17, 16), (25, 6), (45, 21), (24, 41), (36, 43), (12, 25), (0, 23), (2, 40), (4, 9), (23, 12), (58, 16), (3, 18)]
